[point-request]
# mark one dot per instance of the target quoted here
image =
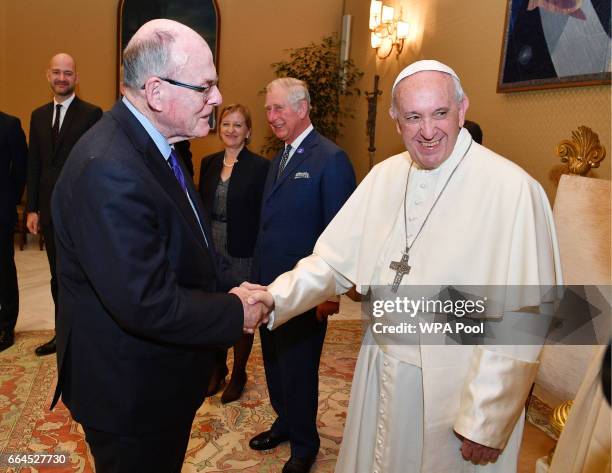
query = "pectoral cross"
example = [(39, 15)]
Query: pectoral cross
[(401, 268)]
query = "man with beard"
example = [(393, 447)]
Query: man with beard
[(54, 129)]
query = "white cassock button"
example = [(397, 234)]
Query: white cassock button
[(418, 202), (382, 396), (386, 363), (411, 218), (422, 185), (379, 442)]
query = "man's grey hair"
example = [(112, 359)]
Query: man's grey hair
[(459, 94), (296, 90), (146, 57)]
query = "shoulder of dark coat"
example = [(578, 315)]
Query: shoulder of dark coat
[(86, 105), (42, 109), (5, 117), (257, 160)]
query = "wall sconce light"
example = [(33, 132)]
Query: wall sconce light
[(386, 31)]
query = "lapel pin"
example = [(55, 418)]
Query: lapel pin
[(299, 150)]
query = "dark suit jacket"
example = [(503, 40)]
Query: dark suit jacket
[(46, 161), (297, 207), (138, 314), (184, 150), (243, 197), (13, 166)]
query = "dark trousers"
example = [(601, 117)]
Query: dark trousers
[(291, 359), (9, 293), (159, 452), (49, 234)]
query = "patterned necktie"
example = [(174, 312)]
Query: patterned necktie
[(284, 159), (56, 122), (176, 168)]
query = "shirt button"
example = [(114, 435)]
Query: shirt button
[(386, 363), (418, 202), (422, 185), (411, 219)]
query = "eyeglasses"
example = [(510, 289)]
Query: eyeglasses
[(204, 90)]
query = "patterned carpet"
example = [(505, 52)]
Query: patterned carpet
[(220, 433)]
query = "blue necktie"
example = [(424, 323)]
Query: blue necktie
[(176, 168), (284, 159), (173, 160)]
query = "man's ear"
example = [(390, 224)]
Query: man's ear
[(463, 106), (393, 116), (154, 93), (303, 108)]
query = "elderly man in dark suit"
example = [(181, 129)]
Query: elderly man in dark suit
[(13, 165), (307, 183), (54, 129), (140, 317)]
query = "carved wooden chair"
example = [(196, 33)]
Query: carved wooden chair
[(582, 219)]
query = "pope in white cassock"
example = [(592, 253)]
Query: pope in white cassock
[(465, 216)]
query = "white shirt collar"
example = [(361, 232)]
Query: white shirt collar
[(66, 103), (295, 144)]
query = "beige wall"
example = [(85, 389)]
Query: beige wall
[(2, 50), (525, 126), (36, 30), (254, 34)]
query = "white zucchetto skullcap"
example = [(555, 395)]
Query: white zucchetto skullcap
[(424, 65)]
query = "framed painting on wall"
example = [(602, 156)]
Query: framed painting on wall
[(200, 15), (555, 43)]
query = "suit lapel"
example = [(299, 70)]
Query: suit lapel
[(46, 130), (213, 175), (300, 154), (240, 175), (162, 172), (269, 186), (197, 203), (158, 165)]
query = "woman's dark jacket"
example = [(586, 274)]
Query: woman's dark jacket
[(243, 197)]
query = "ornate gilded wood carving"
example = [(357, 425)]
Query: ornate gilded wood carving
[(582, 152)]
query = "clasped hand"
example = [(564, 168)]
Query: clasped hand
[(476, 453), (257, 304)]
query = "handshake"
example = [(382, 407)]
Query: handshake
[(257, 303)]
